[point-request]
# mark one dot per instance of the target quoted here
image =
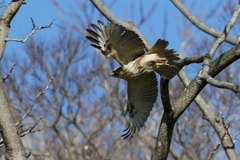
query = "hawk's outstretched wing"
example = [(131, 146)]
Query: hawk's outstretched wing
[(115, 41), (142, 94)]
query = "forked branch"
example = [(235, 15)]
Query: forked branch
[(34, 102), (33, 31), (208, 58)]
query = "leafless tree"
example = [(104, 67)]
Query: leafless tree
[(82, 113), (11, 129)]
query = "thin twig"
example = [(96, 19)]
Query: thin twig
[(30, 129), (225, 32), (33, 30), (24, 132), (233, 138), (221, 140), (33, 23), (34, 102), (9, 73)]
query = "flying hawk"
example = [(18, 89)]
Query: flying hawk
[(137, 68)]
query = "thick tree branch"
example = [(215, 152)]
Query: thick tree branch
[(197, 84), (189, 94), (13, 145), (220, 142), (164, 89), (216, 83), (202, 26), (226, 85), (207, 58), (12, 142), (225, 32), (211, 117), (5, 21), (167, 124), (192, 59)]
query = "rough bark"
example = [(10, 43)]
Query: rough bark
[(14, 149), (185, 99)]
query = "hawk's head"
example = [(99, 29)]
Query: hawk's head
[(117, 72)]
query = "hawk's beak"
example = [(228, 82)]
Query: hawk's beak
[(113, 75), (115, 72)]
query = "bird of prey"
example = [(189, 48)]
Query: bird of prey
[(137, 67)]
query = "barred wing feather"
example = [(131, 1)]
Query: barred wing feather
[(126, 43), (142, 94)]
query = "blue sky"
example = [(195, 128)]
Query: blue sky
[(43, 12)]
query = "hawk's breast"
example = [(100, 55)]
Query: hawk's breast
[(132, 70)]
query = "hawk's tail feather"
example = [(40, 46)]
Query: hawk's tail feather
[(170, 69), (167, 56), (167, 72), (160, 48)]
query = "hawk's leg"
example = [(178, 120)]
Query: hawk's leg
[(161, 62)]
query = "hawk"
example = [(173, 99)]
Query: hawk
[(137, 68)]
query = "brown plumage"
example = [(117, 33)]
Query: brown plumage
[(137, 68)]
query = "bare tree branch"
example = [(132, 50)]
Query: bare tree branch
[(208, 57), (165, 132), (9, 73), (33, 31), (188, 94), (211, 117), (34, 102), (13, 144), (219, 64), (225, 32), (221, 140), (30, 129), (202, 26), (189, 60)]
